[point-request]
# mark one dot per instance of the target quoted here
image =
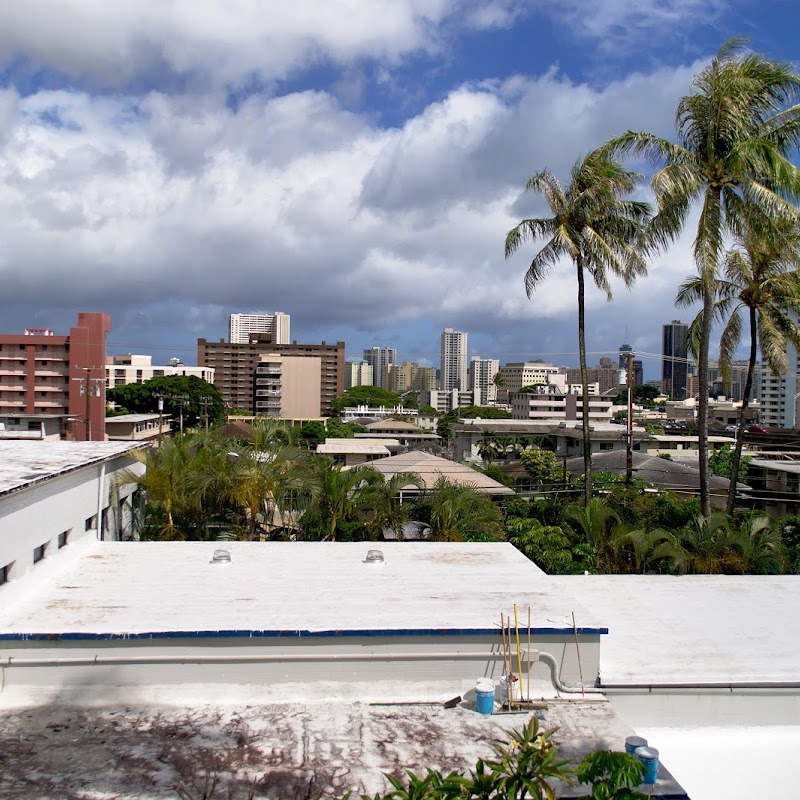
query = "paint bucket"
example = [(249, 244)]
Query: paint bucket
[(649, 757), (632, 742), (484, 696)]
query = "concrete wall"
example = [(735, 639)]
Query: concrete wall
[(79, 504), (283, 660)]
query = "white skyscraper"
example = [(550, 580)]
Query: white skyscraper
[(481, 377), (243, 326), (453, 360), (380, 358)]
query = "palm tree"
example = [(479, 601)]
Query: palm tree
[(335, 494), (593, 523), (761, 279), (597, 230), (380, 507), (736, 132), (460, 513)]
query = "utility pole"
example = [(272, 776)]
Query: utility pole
[(160, 416), (629, 425), (181, 400), (204, 401), (89, 387)]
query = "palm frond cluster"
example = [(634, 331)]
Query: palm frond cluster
[(737, 132), (204, 487)]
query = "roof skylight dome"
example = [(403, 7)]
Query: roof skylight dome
[(374, 557), (221, 557)]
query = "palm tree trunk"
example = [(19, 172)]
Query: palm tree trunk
[(702, 400), (748, 385), (587, 454)]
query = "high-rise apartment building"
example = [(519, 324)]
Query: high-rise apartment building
[(287, 387), (379, 358), (409, 377), (245, 327), (41, 373), (638, 367), (517, 374), (778, 394), (453, 371), (357, 373), (482, 373), (234, 367), (606, 374), (674, 363)]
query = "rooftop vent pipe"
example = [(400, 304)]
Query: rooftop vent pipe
[(220, 557)]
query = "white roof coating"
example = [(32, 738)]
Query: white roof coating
[(24, 463), (693, 629), (294, 587), (131, 418), (354, 448)]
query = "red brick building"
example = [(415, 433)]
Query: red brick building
[(41, 373)]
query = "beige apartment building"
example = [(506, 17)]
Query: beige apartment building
[(235, 365), (517, 374), (552, 403), (287, 387), (409, 377)]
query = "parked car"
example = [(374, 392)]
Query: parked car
[(756, 428), (731, 428)]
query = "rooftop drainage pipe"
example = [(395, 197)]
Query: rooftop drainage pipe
[(536, 655)]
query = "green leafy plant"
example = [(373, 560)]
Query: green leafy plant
[(612, 776)]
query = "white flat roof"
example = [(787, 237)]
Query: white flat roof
[(132, 418), (354, 448), (693, 628), (24, 463), (290, 587)]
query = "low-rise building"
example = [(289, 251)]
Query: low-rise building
[(444, 401), (54, 494), (554, 403), (564, 438), (137, 427), (33, 427), (130, 368)]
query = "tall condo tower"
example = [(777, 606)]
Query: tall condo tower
[(454, 360), (244, 327), (674, 366), (380, 358)]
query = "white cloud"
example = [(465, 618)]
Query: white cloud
[(217, 43), (172, 205)]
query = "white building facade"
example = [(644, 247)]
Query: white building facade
[(453, 373), (357, 373), (129, 368), (482, 373), (242, 327), (379, 358)]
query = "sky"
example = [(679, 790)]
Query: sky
[(353, 163)]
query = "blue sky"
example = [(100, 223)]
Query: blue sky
[(354, 163)]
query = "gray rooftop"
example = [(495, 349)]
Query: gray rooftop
[(25, 463)]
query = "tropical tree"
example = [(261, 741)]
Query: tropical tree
[(460, 513), (598, 230), (260, 476), (379, 506), (593, 523), (335, 497), (647, 550), (736, 132), (760, 281)]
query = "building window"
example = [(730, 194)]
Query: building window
[(91, 523), (63, 539), (38, 553)]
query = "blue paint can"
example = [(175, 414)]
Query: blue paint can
[(632, 742), (649, 757), (484, 696)]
